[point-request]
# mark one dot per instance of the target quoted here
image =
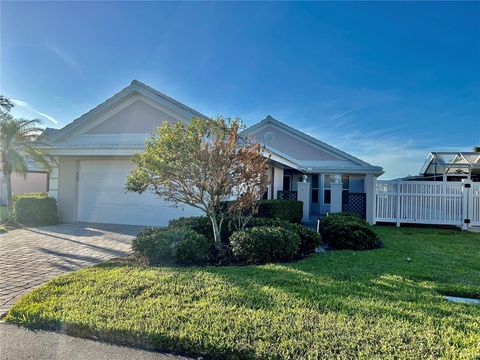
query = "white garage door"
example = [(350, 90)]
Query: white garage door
[(102, 197)]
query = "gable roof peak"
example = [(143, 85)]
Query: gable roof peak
[(134, 87), (270, 119)]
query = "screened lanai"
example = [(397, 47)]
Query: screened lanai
[(451, 166)]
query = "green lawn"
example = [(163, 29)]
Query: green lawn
[(3, 217), (340, 304), (3, 213)]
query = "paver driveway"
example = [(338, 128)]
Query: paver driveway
[(32, 256)]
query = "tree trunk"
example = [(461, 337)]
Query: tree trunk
[(217, 235), (8, 180)]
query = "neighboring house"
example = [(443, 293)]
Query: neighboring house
[(449, 166), (93, 161), (35, 180)]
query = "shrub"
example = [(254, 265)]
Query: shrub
[(201, 225), (288, 210), (177, 245), (35, 209), (351, 217), (151, 244), (309, 239), (348, 231), (261, 221), (191, 248), (265, 244)]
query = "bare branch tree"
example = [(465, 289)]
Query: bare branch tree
[(201, 165)]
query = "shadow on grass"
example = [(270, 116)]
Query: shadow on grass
[(369, 286), (387, 294), (156, 342), (271, 287), (267, 288)]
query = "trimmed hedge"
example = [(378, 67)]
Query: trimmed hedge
[(287, 210), (177, 245), (202, 225), (309, 239), (348, 231), (260, 245), (35, 209)]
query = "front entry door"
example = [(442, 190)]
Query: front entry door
[(286, 183)]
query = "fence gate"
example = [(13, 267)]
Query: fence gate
[(428, 202)]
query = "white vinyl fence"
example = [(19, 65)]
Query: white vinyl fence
[(475, 204), (428, 202)]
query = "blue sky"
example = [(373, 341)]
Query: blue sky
[(387, 82)]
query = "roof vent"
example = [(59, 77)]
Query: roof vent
[(269, 136)]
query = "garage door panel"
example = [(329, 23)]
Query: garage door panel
[(102, 197)]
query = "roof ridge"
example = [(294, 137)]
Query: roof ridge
[(117, 96), (166, 97), (270, 118)]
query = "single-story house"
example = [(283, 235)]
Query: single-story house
[(35, 180), (93, 154), (449, 166)]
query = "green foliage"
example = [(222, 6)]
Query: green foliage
[(348, 231), (350, 217), (3, 213), (20, 138), (172, 245), (200, 164), (261, 221), (309, 239), (340, 304), (35, 209), (202, 225), (287, 210), (5, 105), (265, 244), (151, 244), (191, 248)]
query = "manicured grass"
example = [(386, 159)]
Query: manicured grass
[(339, 304), (3, 213), (3, 217)]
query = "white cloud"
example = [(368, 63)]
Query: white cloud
[(27, 106), (67, 58), (399, 156)]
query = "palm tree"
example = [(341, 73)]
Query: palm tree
[(19, 141), (5, 105)]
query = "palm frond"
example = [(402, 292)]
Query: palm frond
[(20, 141), (17, 161)]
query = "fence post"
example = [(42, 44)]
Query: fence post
[(467, 204), (370, 198), (398, 203)]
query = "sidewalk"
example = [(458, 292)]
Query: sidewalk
[(18, 343)]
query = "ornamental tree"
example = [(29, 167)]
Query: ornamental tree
[(204, 164)]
